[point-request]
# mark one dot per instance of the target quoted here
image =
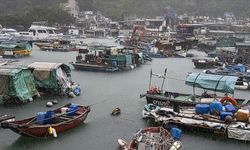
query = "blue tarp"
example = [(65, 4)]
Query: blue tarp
[(218, 83), (240, 68)]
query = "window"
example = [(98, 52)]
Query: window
[(50, 31), (40, 31), (34, 32)]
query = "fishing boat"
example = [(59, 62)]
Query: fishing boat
[(51, 122), (56, 45), (39, 31), (216, 83), (151, 138), (101, 58), (14, 49), (225, 124), (205, 63)]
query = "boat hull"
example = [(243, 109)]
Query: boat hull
[(43, 131), (36, 130), (94, 68), (164, 101), (204, 65)]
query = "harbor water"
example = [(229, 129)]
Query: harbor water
[(106, 91)]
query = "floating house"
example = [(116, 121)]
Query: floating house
[(17, 85), (52, 78)]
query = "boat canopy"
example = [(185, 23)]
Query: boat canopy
[(220, 83), (53, 77)]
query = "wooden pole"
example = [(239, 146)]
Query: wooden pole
[(150, 79), (164, 78)]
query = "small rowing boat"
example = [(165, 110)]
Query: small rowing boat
[(54, 122)]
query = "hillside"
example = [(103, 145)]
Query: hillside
[(21, 6), (13, 12), (119, 8), (24, 12)]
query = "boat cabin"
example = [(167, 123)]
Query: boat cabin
[(43, 32)]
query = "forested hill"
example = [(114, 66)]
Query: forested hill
[(24, 12), (119, 8), (13, 12), (22, 6)]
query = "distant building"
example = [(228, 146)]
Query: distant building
[(72, 8)]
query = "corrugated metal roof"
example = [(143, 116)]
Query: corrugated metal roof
[(44, 65)]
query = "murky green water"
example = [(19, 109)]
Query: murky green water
[(107, 91)]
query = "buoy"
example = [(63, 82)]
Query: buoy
[(30, 99), (77, 90), (176, 145), (71, 95), (230, 99), (49, 104), (50, 130), (38, 95), (55, 102), (54, 132), (229, 119)]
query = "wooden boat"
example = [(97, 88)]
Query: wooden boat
[(151, 138), (116, 111), (218, 83), (14, 49), (6, 118), (55, 45), (60, 122), (94, 67)]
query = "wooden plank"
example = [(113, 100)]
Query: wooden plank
[(6, 117)]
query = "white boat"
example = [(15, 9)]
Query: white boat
[(40, 32)]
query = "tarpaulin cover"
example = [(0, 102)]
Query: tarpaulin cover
[(17, 83), (16, 46), (239, 133), (218, 83), (51, 77)]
